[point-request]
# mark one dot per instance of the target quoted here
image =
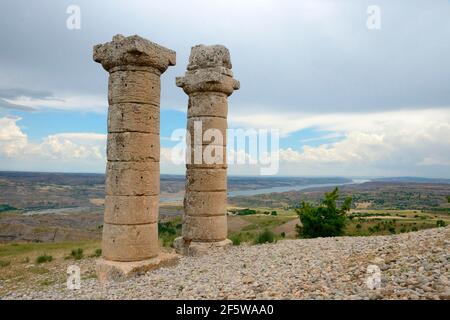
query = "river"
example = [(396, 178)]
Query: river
[(234, 193), (254, 192)]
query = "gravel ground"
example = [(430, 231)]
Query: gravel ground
[(413, 265)]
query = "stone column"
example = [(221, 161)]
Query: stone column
[(208, 82), (130, 231)]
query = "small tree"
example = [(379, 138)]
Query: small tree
[(440, 223), (325, 220)]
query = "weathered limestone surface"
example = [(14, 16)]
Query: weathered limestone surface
[(205, 228), (133, 146), (206, 179), (205, 203), (211, 156), (132, 178), (208, 123), (133, 117), (134, 86), (208, 82), (131, 209), (120, 271), (123, 242), (207, 104), (130, 232)]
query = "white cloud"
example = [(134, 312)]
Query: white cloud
[(91, 103), (341, 122), (329, 136), (11, 137), (407, 142), (59, 152), (387, 143)]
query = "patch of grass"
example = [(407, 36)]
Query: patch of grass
[(77, 254), (31, 249), (24, 270), (264, 222), (377, 226), (236, 239), (368, 214), (97, 253), (42, 229), (265, 236), (4, 263), (44, 258), (90, 275), (47, 282), (39, 270)]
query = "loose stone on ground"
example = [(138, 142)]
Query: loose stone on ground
[(413, 265)]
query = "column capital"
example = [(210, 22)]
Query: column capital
[(209, 70), (133, 51)]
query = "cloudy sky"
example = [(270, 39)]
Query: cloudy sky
[(348, 100)]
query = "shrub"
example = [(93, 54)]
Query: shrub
[(246, 212), (283, 234), (168, 231), (44, 258), (265, 236), (98, 253), (236, 239), (325, 220), (358, 226), (166, 227), (273, 213), (440, 223), (6, 207), (77, 254), (392, 230)]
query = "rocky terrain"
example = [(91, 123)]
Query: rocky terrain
[(413, 265)]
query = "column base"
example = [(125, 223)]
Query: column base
[(192, 248), (108, 271)]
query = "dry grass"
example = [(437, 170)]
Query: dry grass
[(19, 268)]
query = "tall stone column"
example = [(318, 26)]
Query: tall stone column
[(208, 82), (130, 231)]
